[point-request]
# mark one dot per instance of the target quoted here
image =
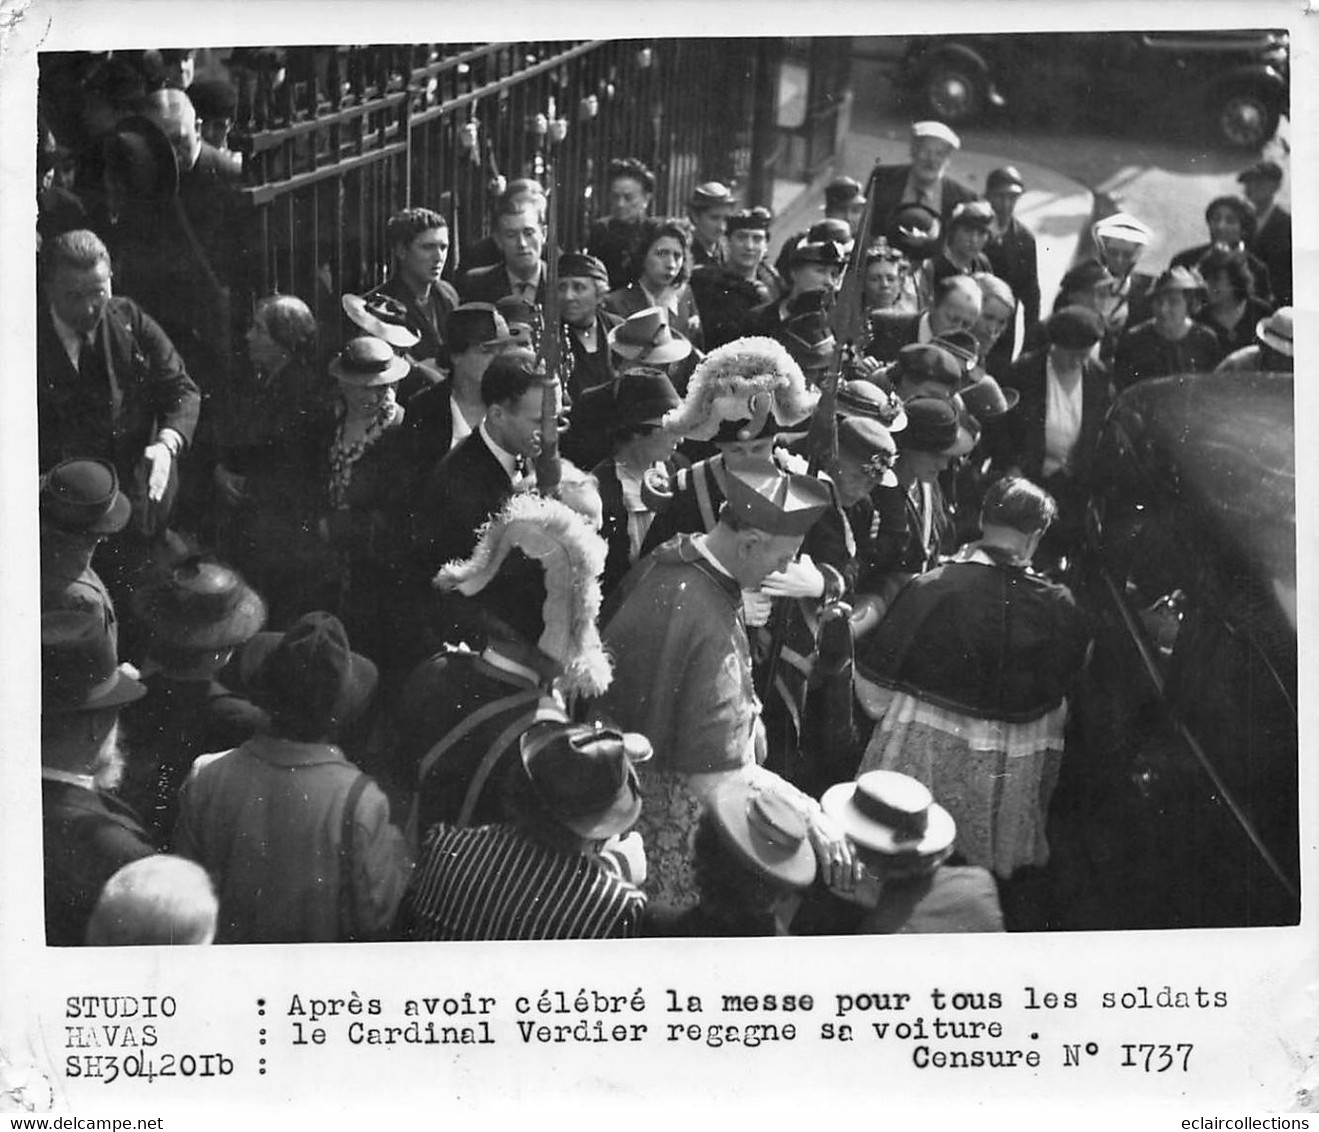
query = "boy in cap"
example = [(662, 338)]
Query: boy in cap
[(726, 293), (965, 238), (1012, 257), (812, 266), (298, 839), (540, 874), (1272, 241), (924, 180)]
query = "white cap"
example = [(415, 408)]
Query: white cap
[(936, 130), (1122, 226)]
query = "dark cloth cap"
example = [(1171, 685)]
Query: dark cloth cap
[(843, 191), (931, 425), (1074, 328), (1084, 275), (481, 323), (79, 669), (926, 362), (1261, 171), (870, 443), (710, 194), (83, 496), (213, 98), (585, 776), (578, 265), (826, 252), (972, 214), (757, 219), (1178, 279), (309, 675), (830, 229), (200, 604), (644, 394), (1005, 177)]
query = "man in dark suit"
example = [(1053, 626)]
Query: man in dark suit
[(1012, 257), (726, 293), (1050, 436), (956, 306), (109, 382), (88, 833), (1272, 241), (924, 180), (520, 233)]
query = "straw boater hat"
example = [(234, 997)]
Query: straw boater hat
[(745, 390), (366, 362), (1275, 331), (765, 832), (893, 814), (573, 556), (382, 316)]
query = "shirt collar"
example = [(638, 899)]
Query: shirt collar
[(507, 460), (69, 338)]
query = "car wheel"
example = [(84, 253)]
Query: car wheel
[(952, 91), (1244, 118)]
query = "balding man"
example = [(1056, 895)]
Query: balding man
[(923, 181), (956, 306)]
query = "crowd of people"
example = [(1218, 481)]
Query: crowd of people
[(725, 627)]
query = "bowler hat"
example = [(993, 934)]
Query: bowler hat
[(867, 441), (924, 361), (765, 831), (986, 400), (200, 604), (1006, 178), (843, 191), (368, 361), (79, 669), (309, 674), (140, 158), (757, 219), (585, 775), (858, 397), (382, 316), (643, 394), (710, 194), (83, 496), (1275, 331), (891, 813), (646, 336), (1261, 171), (932, 426), (579, 265), (1074, 328), (776, 503)]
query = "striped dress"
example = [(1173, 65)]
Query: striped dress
[(492, 882)]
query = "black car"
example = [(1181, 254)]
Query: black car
[(1233, 82), (1190, 712)]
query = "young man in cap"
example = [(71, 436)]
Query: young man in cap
[(1272, 241), (519, 231), (923, 181), (1013, 258), (811, 266), (683, 674), (539, 875), (110, 384), (298, 839), (955, 306), (708, 209), (725, 294), (88, 833), (963, 253), (418, 239)]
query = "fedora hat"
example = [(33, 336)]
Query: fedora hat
[(368, 361), (891, 813), (139, 156), (382, 316), (926, 361), (79, 668), (986, 400), (83, 496), (829, 253), (200, 604), (309, 673), (1275, 331), (932, 426), (765, 831), (830, 228), (586, 776), (647, 337), (642, 395), (487, 325)]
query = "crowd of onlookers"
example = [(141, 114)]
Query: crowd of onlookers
[(342, 649)]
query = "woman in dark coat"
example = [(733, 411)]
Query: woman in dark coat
[(665, 268), (615, 240), (1172, 341), (1233, 310)]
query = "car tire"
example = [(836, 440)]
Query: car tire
[(952, 91), (1243, 118)]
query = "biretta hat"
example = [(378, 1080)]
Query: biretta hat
[(1261, 171), (382, 316), (757, 219), (858, 397), (843, 191), (647, 337), (924, 361), (866, 440), (890, 813), (642, 395), (368, 361), (1122, 226), (765, 831), (710, 194), (972, 214), (1006, 178), (83, 495), (1074, 328), (986, 400), (1275, 331), (774, 502), (579, 265), (586, 775), (932, 129), (79, 669), (200, 604), (932, 425), (309, 673)]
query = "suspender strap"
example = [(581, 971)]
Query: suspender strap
[(488, 760), (701, 485), (347, 915)]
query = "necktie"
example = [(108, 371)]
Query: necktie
[(90, 370)]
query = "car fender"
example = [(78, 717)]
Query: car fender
[(1256, 76)]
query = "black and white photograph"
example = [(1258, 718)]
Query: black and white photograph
[(549, 512)]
